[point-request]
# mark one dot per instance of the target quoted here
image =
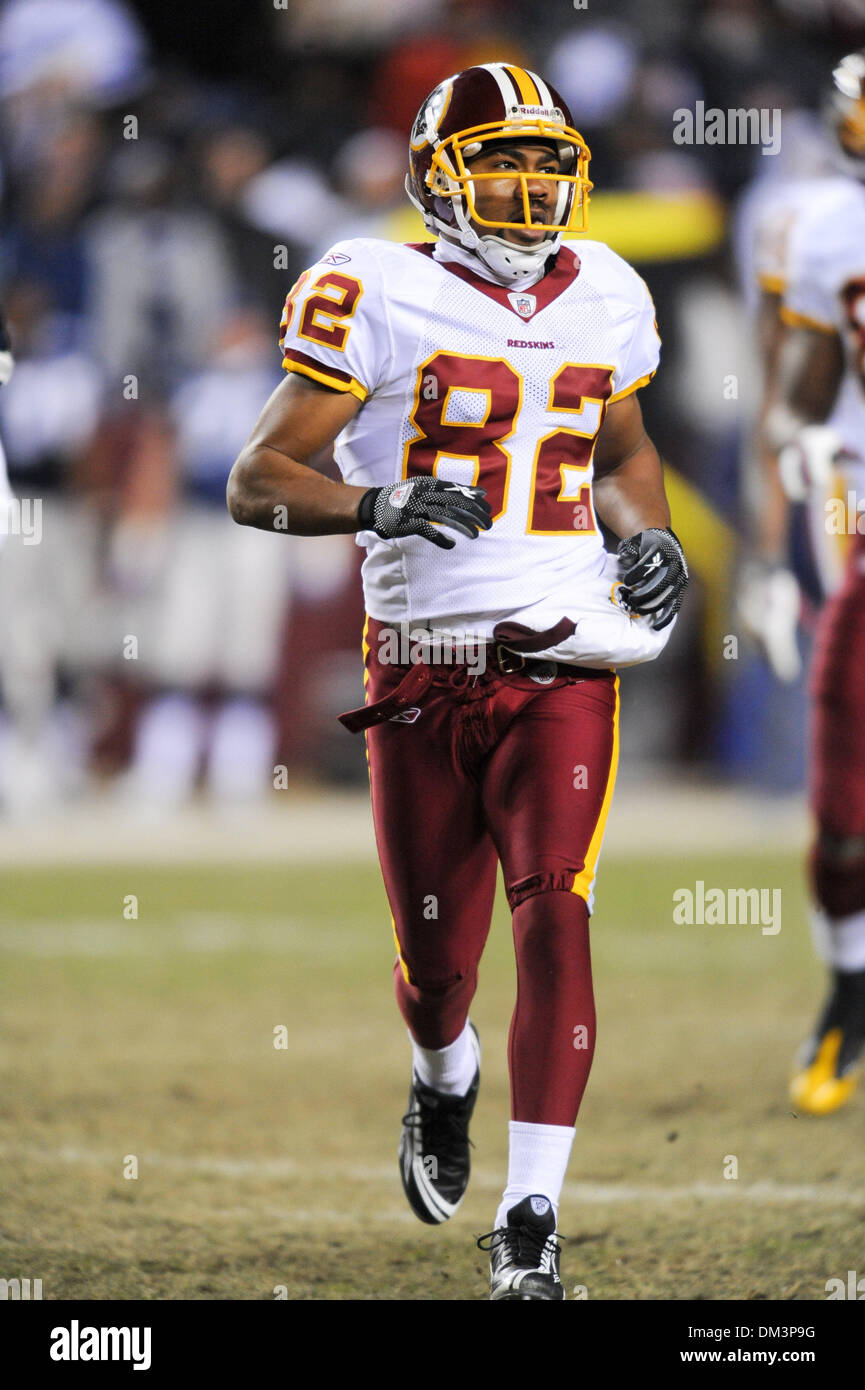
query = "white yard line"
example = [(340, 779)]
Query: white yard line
[(188, 933), (586, 1194), (651, 817)]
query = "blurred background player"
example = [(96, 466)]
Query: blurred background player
[(47, 577), (220, 595), (772, 588), (814, 423), (7, 366)]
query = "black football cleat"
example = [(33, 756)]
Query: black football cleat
[(434, 1145), (827, 1072), (524, 1255)]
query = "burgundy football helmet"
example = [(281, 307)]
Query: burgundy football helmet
[(845, 111), (483, 104)]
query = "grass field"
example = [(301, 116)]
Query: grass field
[(261, 1167)]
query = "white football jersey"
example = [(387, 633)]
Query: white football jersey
[(825, 290), (773, 224), (477, 384)]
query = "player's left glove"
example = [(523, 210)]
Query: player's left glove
[(654, 575)]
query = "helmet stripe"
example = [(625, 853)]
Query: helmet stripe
[(543, 90), (529, 95), (508, 88)]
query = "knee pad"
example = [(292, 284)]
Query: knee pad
[(544, 881), (838, 873), (434, 986)]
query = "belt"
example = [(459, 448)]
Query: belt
[(512, 663), (509, 652), (399, 702)]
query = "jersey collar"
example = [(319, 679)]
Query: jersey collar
[(565, 270)]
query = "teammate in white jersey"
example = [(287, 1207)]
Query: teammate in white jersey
[(822, 396), (7, 505), (484, 384), (791, 564)]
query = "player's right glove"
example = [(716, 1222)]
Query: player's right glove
[(769, 602), (806, 463), (410, 508), (654, 574)]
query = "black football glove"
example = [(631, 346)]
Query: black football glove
[(654, 573), (409, 508)]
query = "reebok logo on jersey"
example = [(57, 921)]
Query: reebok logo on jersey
[(525, 342), (336, 258)]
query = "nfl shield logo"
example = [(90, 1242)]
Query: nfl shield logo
[(525, 304)]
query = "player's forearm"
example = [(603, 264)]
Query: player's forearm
[(630, 497), (270, 491), (772, 521), (810, 371)]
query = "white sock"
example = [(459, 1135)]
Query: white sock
[(167, 749), (821, 936), (847, 941), (240, 765), (537, 1160), (839, 941), (450, 1070)]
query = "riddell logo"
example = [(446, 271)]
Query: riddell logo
[(522, 342), (549, 113)]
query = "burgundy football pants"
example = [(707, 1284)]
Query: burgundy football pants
[(838, 745), (497, 769)]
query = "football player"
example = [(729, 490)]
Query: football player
[(481, 389), (791, 559), (821, 414), (7, 366)]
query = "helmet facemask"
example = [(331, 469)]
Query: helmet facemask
[(451, 177)]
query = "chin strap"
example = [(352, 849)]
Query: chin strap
[(498, 260)]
